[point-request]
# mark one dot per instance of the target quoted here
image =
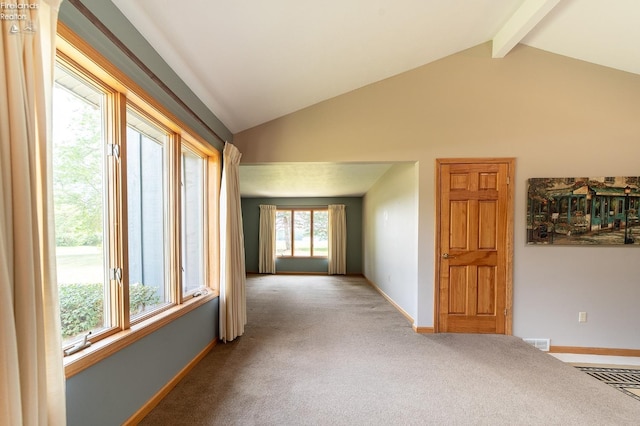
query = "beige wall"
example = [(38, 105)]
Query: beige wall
[(557, 116), (389, 221), (466, 104)]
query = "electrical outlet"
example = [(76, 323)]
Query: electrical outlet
[(582, 317)]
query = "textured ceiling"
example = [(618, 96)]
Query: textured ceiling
[(310, 179)]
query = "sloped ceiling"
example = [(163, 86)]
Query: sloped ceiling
[(252, 61)]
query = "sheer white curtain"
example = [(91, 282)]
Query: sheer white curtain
[(233, 306), (337, 239), (32, 390), (267, 240)]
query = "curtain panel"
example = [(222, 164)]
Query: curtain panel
[(32, 389), (337, 239), (233, 305), (267, 240)]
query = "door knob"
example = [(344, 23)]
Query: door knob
[(447, 256)]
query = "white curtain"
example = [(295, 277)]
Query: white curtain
[(337, 240), (267, 240), (233, 309), (32, 389)]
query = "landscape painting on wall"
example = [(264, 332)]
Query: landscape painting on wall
[(584, 211)]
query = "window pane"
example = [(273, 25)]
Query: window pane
[(302, 233), (147, 210), (320, 235), (79, 205), (193, 230), (283, 233)]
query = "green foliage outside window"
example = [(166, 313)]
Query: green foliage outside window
[(77, 171), (304, 230), (81, 305)]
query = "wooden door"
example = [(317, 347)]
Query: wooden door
[(475, 234)]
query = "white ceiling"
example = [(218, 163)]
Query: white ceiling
[(251, 61), (310, 179)]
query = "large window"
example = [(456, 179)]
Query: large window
[(147, 214), (302, 232), (79, 195), (193, 219), (135, 205)]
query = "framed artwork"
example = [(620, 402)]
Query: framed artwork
[(583, 211)]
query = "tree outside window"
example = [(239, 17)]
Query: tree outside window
[(98, 156), (301, 233)]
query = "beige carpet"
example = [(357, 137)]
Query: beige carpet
[(323, 350)]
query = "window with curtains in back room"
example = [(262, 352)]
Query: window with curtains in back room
[(135, 205), (302, 232)]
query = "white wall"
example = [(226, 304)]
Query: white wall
[(555, 283), (390, 211), (558, 117)]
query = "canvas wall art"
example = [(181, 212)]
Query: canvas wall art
[(585, 211)]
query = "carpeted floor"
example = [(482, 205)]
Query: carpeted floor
[(320, 350)]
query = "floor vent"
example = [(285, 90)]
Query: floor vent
[(542, 344), (623, 379)]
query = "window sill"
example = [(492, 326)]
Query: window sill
[(73, 364)]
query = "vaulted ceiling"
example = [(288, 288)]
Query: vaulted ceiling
[(251, 61)]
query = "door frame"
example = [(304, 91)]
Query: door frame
[(510, 161)]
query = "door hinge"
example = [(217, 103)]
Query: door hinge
[(508, 180), (113, 150), (505, 312)]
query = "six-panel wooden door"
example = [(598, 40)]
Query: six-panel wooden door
[(475, 245)]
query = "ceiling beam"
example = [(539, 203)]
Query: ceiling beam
[(518, 26)]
